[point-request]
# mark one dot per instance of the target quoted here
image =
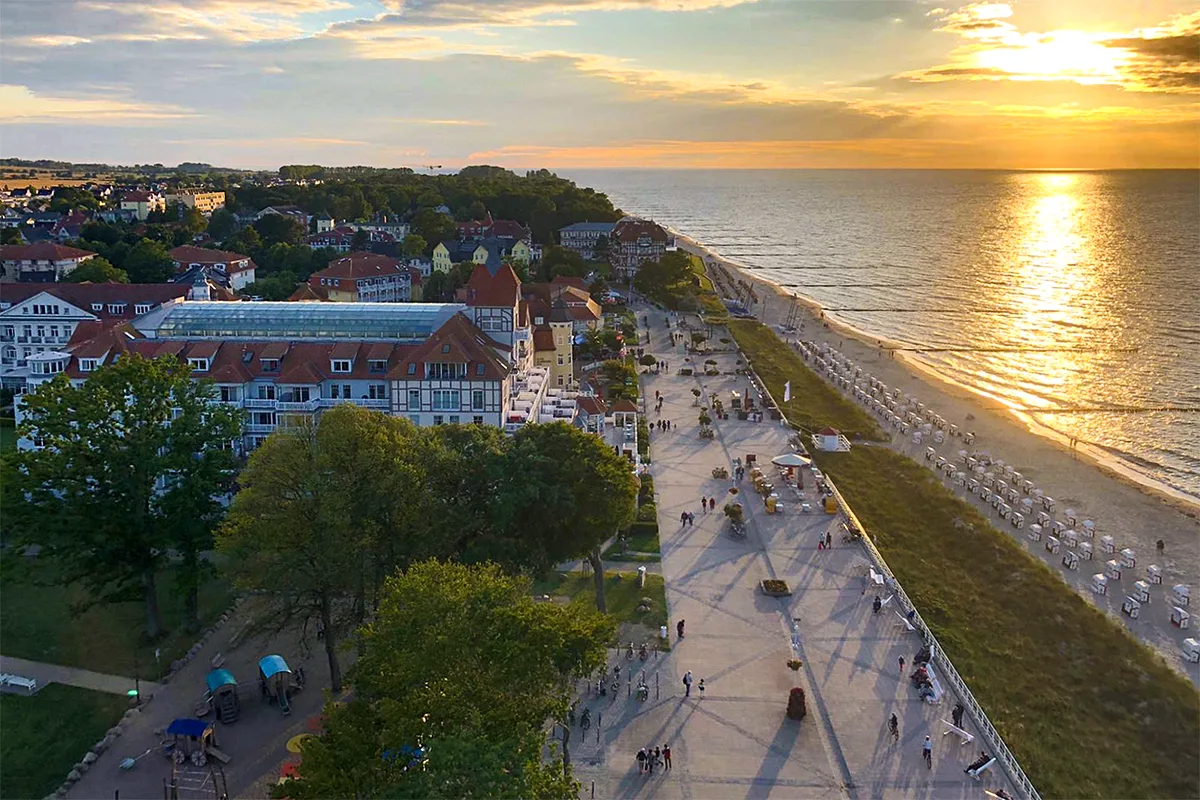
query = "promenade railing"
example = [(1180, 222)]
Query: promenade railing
[(988, 732)]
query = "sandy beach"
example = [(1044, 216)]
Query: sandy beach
[(1134, 514)]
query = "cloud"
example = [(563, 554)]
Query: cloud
[(1161, 59), (285, 141), (24, 106), (474, 13), (468, 123)]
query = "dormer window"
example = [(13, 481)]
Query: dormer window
[(412, 369), (116, 308), (376, 366), (270, 364), (87, 364), (97, 306), (339, 365), (480, 369), (445, 348), (198, 364), (141, 308)]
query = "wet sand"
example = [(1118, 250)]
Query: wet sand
[(1135, 515)]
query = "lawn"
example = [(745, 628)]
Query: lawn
[(8, 438), (36, 622), (621, 594), (1088, 711), (43, 736), (642, 545), (814, 403)]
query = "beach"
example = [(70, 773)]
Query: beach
[(1134, 513)]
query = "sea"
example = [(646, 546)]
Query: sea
[(1071, 297)]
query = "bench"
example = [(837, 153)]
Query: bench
[(966, 736), (904, 621), (977, 774), (876, 577), (28, 684), (938, 691)]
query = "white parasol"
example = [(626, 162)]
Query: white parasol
[(791, 460)]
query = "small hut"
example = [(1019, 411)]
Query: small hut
[(222, 694)]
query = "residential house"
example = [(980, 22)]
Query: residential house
[(323, 223), (484, 251), (232, 270), (38, 317), (291, 212), (70, 226), (585, 313), (366, 278), (382, 223), (583, 236), (487, 228), (140, 203), (635, 241), (203, 201), (43, 262)]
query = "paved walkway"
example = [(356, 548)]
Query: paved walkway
[(736, 741), (85, 679)]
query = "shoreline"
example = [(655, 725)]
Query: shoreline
[(1102, 460)]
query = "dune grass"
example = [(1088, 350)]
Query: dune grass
[(43, 735), (1088, 710), (814, 403)]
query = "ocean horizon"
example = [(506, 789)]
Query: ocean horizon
[(1073, 297)]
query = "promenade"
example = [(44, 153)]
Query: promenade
[(736, 741)]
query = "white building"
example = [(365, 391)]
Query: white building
[(42, 262)]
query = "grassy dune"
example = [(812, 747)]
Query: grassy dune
[(1088, 710)]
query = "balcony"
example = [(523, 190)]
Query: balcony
[(252, 428), (373, 402), (300, 405), (260, 402)]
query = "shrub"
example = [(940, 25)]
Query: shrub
[(648, 513), (685, 371), (646, 490)]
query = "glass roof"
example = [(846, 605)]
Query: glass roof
[(411, 322)]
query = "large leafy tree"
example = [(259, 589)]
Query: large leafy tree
[(433, 227), (276, 228), (148, 262), (97, 270), (313, 506), (132, 462), (566, 492), (661, 279), (461, 662)]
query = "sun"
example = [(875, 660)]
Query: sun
[(1061, 55)]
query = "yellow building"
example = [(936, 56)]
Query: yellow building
[(553, 347), (142, 203), (204, 202)]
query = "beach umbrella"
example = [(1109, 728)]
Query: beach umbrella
[(791, 460)]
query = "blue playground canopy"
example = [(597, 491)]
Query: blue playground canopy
[(272, 665), (218, 678), (194, 728)]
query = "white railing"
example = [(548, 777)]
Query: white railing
[(259, 402), (987, 730), (299, 405)]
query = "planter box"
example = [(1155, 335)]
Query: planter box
[(775, 588)]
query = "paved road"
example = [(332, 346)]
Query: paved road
[(736, 741), (71, 676)]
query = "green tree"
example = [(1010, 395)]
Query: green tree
[(561, 261), (665, 279), (601, 248), (433, 228), (245, 241), (360, 241), (148, 262), (279, 286), (430, 198), (97, 270), (132, 462), (10, 235), (566, 493), (221, 224), (276, 228), (462, 662), (414, 245), (306, 521), (543, 220)]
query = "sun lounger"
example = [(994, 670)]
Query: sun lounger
[(977, 774), (28, 684), (876, 577), (938, 691), (904, 621), (965, 736)]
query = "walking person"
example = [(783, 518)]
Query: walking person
[(666, 756), (712, 504), (679, 628), (641, 759), (649, 761), (894, 729), (658, 756), (927, 752), (701, 688), (687, 683), (828, 540), (957, 714), (902, 666)]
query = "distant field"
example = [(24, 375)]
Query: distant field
[(42, 736), (43, 180)]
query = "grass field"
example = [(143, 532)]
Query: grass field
[(42, 736), (641, 541), (36, 622), (621, 594), (1088, 710), (814, 403)]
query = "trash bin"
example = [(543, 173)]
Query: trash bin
[(641, 577), (662, 633)]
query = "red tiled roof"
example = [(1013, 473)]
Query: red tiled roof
[(590, 405), (582, 313), (485, 289), (136, 197), (358, 265), (632, 229), (828, 432), (111, 340), (186, 254), (343, 350), (571, 280), (457, 341), (83, 295), (543, 338), (623, 406), (41, 251), (274, 350), (508, 228), (306, 292)]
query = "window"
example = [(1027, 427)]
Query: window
[(340, 365), (446, 399), (270, 365), (54, 331), (560, 359), (492, 324), (97, 306), (87, 364), (44, 309), (377, 391), (294, 394), (560, 380), (415, 419), (477, 420), (445, 348), (453, 419), (477, 400), (412, 369), (377, 366), (266, 391), (480, 369), (41, 331), (9, 331), (141, 308), (198, 364), (440, 370), (437, 419), (230, 394), (117, 308)]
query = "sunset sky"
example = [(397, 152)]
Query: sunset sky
[(597, 83)]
